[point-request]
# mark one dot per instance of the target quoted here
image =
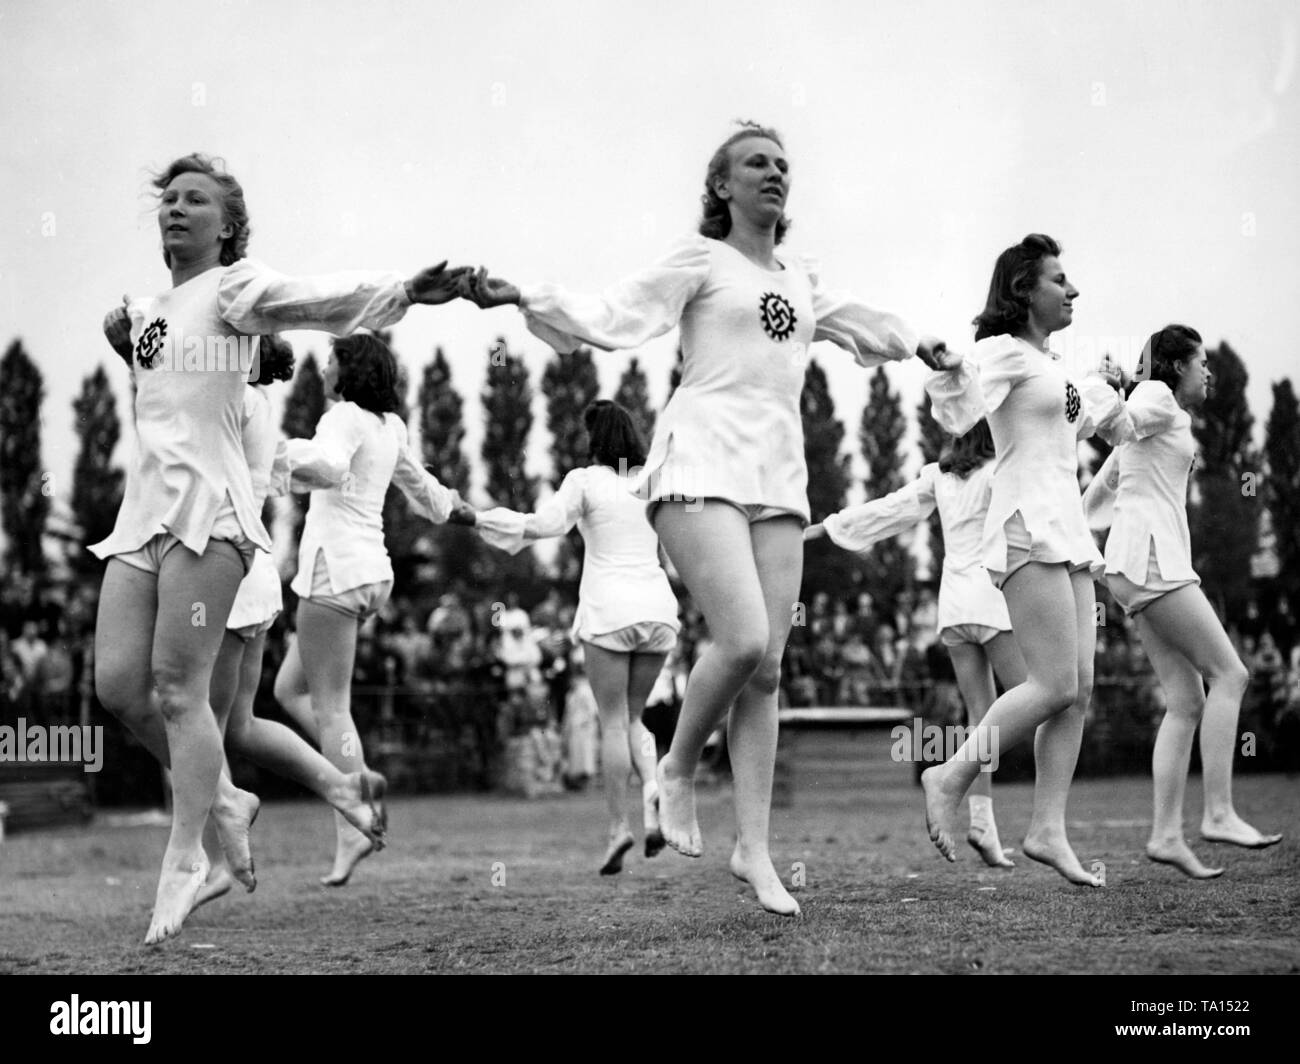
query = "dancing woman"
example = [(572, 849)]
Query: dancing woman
[(188, 526), (344, 572), (1149, 571), (726, 480), (973, 620), (627, 612), (1036, 544), (238, 671)]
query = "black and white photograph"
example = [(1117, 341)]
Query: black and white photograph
[(650, 489)]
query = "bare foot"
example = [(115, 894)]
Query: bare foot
[(1232, 829), (234, 812), (677, 811), (619, 843), (984, 838), (758, 872), (352, 848), (1054, 851), (362, 804), (182, 878), (654, 836), (941, 809), (1176, 852), (217, 885)]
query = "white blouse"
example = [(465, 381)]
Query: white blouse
[(189, 469), (1037, 415), (732, 429), (260, 596), (622, 581), (347, 466), (966, 594), (1141, 489)]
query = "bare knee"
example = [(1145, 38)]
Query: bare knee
[(176, 693), (745, 653), (121, 692), (1059, 692), (766, 679), (1232, 678)]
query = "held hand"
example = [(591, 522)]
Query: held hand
[(117, 329), (463, 514), (436, 285), (935, 354), (813, 532), (488, 292), (1111, 373)]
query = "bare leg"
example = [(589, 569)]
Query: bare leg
[(643, 671), (752, 733), (607, 671), (1171, 758), (975, 681), (1056, 750), (1185, 622), (293, 696), (327, 643), (713, 552), (194, 598), (1046, 635), (283, 751)]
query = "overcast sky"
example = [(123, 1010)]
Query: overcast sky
[(567, 142)]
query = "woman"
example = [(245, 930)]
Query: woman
[(627, 612), (238, 672), (973, 620), (1149, 571), (1036, 544), (344, 572), (725, 480), (188, 526)]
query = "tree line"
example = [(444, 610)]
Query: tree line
[(1241, 496)]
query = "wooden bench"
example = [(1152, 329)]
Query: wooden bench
[(843, 760)]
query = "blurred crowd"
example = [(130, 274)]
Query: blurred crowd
[(442, 691)]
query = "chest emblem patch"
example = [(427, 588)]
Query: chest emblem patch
[(150, 343), (1072, 402), (777, 315)]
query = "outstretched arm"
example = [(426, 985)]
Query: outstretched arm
[(255, 299), (627, 314), (510, 531), (859, 528)]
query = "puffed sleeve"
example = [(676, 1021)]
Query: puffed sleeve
[(324, 460), (871, 336), (629, 313), (255, 299), (978, 386), (1105, 413), (510, 531), (428, 496), (1099, 498), (859, 528)]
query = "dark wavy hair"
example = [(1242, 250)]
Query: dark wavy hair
[(612, 435), (1014, 276), (966, 453), (235, 246), (274, 359), (1165, 350), (716, 220), (367, 372)]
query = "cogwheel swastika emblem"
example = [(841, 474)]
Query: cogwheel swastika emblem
[(778, 316), (1072, 402), (150, 343)]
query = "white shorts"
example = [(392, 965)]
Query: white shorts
[(1134, 598), (359, 602), (647, 637), (149, 558)]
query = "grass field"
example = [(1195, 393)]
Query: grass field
[(877, 897)]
